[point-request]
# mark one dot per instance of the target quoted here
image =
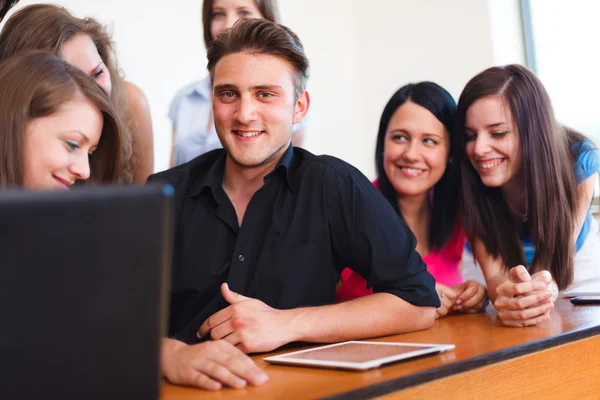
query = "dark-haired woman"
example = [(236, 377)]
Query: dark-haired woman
[(527, 185), (418, 176)]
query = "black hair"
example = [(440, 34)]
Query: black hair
[(5, 6)]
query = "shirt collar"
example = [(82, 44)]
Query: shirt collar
[(212, 179), (286, 164), (214, 176)]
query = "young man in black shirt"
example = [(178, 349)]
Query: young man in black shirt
[(264, 229)]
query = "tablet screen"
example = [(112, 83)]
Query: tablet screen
[(354, 352), (357, 355)]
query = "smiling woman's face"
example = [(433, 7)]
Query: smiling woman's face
[(493, 144), (416, 150), (57, 147)]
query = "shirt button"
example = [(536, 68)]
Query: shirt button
[(241, 257)]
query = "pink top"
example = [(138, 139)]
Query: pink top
[(443, 265)]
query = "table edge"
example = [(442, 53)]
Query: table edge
[(419, 378)]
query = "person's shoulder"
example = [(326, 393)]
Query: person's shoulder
[(583, 146), (325, 163), (179, 177), (191, 88), (139, 109), (197, 89), (134, 94), (587, 160)]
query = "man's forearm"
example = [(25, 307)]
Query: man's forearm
[(379, 314)]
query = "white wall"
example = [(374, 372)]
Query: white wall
[(360, 51), (566, 36), (508, 44), (409, 41)]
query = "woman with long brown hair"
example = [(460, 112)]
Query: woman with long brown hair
[(527, 185), (57, 127), (84, 43)]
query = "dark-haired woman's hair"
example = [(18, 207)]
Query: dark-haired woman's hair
[(446, 191), (548, 155), (48, 27), (36, 85), (5, 6), (268, 9)]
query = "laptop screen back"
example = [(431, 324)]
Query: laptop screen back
[(83, 279)]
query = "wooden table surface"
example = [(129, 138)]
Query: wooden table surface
[(480, 340)]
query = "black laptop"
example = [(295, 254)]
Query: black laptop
[(83, 283)]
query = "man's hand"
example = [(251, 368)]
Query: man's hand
[(249, 324), (209, 365), (523, 301), (472, 297)]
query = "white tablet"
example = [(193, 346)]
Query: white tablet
[(357, 355), (588, 289)]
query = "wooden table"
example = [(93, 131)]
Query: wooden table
[(557, 359)]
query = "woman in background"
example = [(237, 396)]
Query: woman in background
[(85, 44), (57, 127), (527, 186), (419, 176), (191, 109)]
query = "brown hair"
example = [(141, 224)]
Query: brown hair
[(36, 84), (268, 9), (259, 36), (48, 27), (547, 166)]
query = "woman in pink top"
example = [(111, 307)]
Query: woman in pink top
[(418, 177)]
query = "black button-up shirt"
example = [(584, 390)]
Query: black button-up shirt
[(314, 216)]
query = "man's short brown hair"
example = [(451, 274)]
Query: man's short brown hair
[(260, 36)]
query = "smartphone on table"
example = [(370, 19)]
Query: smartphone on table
[(584, 300)]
